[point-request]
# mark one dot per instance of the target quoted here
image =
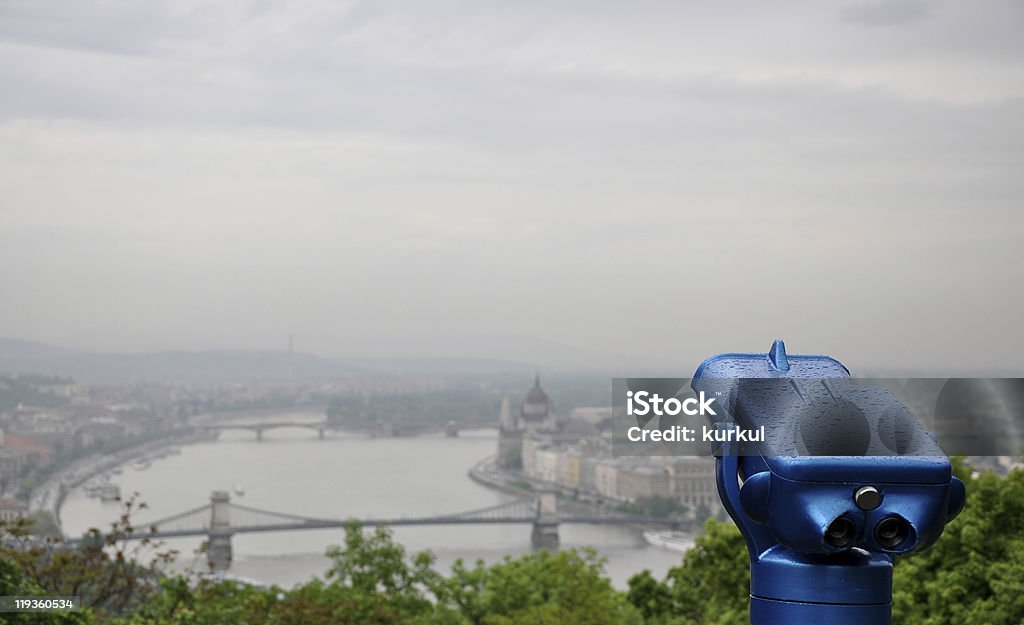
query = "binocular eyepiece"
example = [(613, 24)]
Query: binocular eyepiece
[(841, 533), (891, 534), (844, 480)]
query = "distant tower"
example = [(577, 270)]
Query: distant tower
[(510, 438), (506, 420)]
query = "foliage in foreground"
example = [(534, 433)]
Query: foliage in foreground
[(372, 582), (973, 576), (110, 573)]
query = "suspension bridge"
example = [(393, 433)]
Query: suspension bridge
[(262, 426), (387, 428), (220, 519)]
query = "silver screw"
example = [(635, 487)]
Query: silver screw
[(867, 498)]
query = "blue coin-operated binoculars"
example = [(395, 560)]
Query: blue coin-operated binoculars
[(844, 479)]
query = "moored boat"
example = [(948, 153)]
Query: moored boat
[(667, 539), (92, 488), (110, 492)]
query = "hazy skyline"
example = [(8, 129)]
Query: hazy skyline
[(653, 180)]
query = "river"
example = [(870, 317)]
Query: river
[(345, 475)]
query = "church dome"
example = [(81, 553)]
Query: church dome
[(537, 406)]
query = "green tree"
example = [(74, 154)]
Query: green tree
[(112, 574), (536, 589), (974, 574), (44, 525), (651, 597), (14, 583), (703, 512), (202, 601), (381, 585), (370, 582), (711, 587)]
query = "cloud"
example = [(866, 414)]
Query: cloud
[(181, 174), (888, 12)]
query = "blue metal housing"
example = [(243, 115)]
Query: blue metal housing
[(817, 553)]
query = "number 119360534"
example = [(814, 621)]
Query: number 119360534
[(39, 604)]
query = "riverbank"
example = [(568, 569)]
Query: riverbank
[(486, 473), (49, 496)]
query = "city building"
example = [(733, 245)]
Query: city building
[(12, 510), (575, 455), (600, 416), (642, 481), (570, 468), (29, 451), (546, 464), (606, 477), (98, 429), (692, 480), (10, 465)]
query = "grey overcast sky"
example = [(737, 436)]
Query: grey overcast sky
[(656, 180)]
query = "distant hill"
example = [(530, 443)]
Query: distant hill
[(515, 355), (17, 356)]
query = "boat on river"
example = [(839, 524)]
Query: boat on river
[(110, 492), (92, 487), (668, 539)]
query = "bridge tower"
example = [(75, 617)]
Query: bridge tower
[(218, 551), (545, 527)]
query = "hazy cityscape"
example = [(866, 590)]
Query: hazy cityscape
[(70, 450), (317, 312)]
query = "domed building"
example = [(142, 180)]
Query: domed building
[(536, 414)]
